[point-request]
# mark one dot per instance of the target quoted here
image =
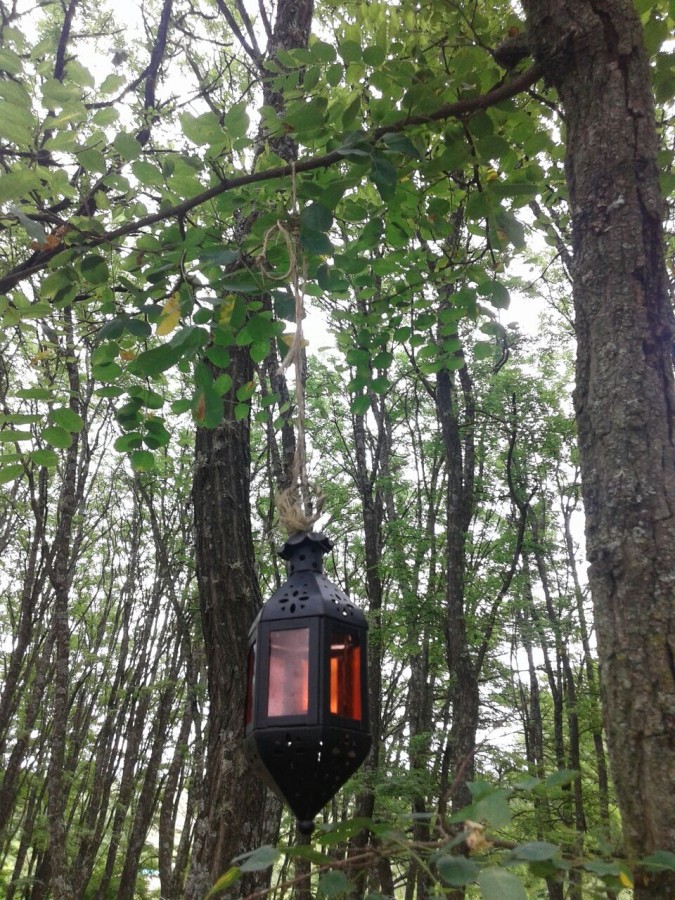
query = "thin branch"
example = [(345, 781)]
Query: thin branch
[(253, 51), (246, 19), (265, 18)]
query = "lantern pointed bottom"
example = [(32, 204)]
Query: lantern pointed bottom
[(306, 766), (306, 826)]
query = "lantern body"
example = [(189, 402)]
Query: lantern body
[(306, 723)]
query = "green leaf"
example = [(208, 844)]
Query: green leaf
[(384, 177), (334, 884), (317, 217), (147, 173), (156, 434), (92, 160), (525, 782), (147, 397), (457, 870), (127, 146), (374, 56), (236, 120), (306, 852), (323, 52), (11, 473), (360, 405), (17, 123), (58, 437), (316, 242), (112, 83), (78, 74), (10, 62), (142, 461), (67, 418), (350, 51), (45, 457), (219, 356), (561, 777), (498, 884), (536, 851), (662, 859), (399, 143), (8, 435), (34, 393), (18, 183), (95, 269), (601, 868), (483, 350), (222, 384), (497, 294), (156, 360), (260, 859), (57, 94), (131, 441)]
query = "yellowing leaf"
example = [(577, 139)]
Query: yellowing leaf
[(233, 874), (226, 309), (625, 880), (290, 337), (492, 175), (170, 315), (200, 408), (43, 354)]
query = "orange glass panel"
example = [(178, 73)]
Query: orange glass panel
[(250, 676), (345, 676), (288, 685)]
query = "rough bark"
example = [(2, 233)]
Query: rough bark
[(229, 594), (592, 53)]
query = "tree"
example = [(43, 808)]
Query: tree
[(624, 392)]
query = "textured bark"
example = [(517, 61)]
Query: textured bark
[(592, 52), (229, 594)]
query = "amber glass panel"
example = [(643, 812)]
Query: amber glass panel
[(250, 682), (345, 676), (288, 685)]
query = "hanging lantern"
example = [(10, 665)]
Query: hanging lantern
[(306, 720)]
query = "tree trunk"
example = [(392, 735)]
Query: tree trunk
[(234, 798), (625, 399)]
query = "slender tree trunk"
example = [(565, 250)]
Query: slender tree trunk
[(592, 52), (61, 577), (593, 694)]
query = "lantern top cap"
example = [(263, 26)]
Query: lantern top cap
[(294, 542)]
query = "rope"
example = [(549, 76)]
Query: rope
[(294, 504)]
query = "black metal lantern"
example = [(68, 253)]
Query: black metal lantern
[(306, 722)]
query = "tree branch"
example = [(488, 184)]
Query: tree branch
[(458, 109)]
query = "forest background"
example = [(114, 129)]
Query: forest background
[(176, 178)]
